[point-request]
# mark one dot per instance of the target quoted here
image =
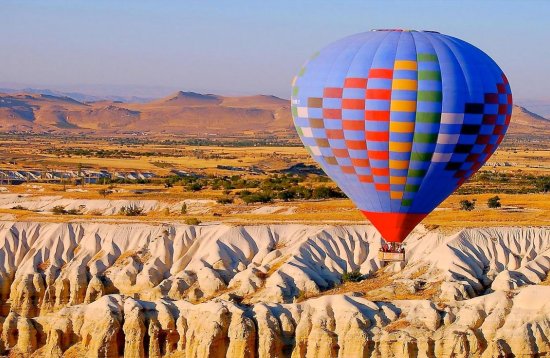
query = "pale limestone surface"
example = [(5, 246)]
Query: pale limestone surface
[(45, 203), (138, 290)]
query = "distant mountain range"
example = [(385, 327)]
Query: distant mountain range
[(81, 97), (182, 113)]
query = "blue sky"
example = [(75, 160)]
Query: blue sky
[(242, 47)]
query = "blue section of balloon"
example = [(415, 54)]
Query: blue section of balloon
[(400, 119)]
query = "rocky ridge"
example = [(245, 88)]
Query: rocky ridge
[(136, 290)]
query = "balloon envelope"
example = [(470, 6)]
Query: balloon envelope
[(400, 119)]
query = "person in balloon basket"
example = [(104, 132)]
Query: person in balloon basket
[(393, 248)]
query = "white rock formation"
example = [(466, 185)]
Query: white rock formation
[(44, 203), (137, 290)]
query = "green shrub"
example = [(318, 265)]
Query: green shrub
[(192, 221), (104, 192), (325, 192), (194, 186), (225, 200), (353, 276), (467, 205), (59, 210), (131, 210), (542, 184), (258, 197), (301, 296), (286, 195), (244, 193), (494, 202)]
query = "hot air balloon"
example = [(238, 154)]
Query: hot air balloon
[(400, 119)]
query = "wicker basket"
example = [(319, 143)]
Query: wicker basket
[(391, 256)]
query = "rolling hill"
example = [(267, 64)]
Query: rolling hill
[(525, 123), (182, 113)]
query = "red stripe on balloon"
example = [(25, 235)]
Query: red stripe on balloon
[(353, 125), (380, 73), (381, 172), (356, 144), (334, 133), (377, 136), (382, 187), (355, 82), (332, 113), (332, 92), (384, 94), (379, 154), (377, 115), (340, 153), (360, 162), (394, 227), (352, 103)]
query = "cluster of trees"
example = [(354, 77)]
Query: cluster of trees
[(60, 210), (195, 183), (542, 183), (279, 186), (109, 181), (100, 153), (469, 205), (131, 210), (236, 142), (297, 192), (486, 181)]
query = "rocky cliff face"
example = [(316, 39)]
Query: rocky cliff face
[(136, 290)]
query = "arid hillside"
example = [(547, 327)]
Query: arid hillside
[(182, 113), (185, 113), (525, 122)]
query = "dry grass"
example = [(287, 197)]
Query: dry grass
[(277, 265), (397, 325), (43, 266), (97, 256), (378, 280), (525, 159), (519, 209), (280, 245), (529, 210), (125, 255), (374, 288), (139, 256), (202, 158), (420, 272), (272, 269)]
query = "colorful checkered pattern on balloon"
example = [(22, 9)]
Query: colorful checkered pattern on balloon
[(389, 130)]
